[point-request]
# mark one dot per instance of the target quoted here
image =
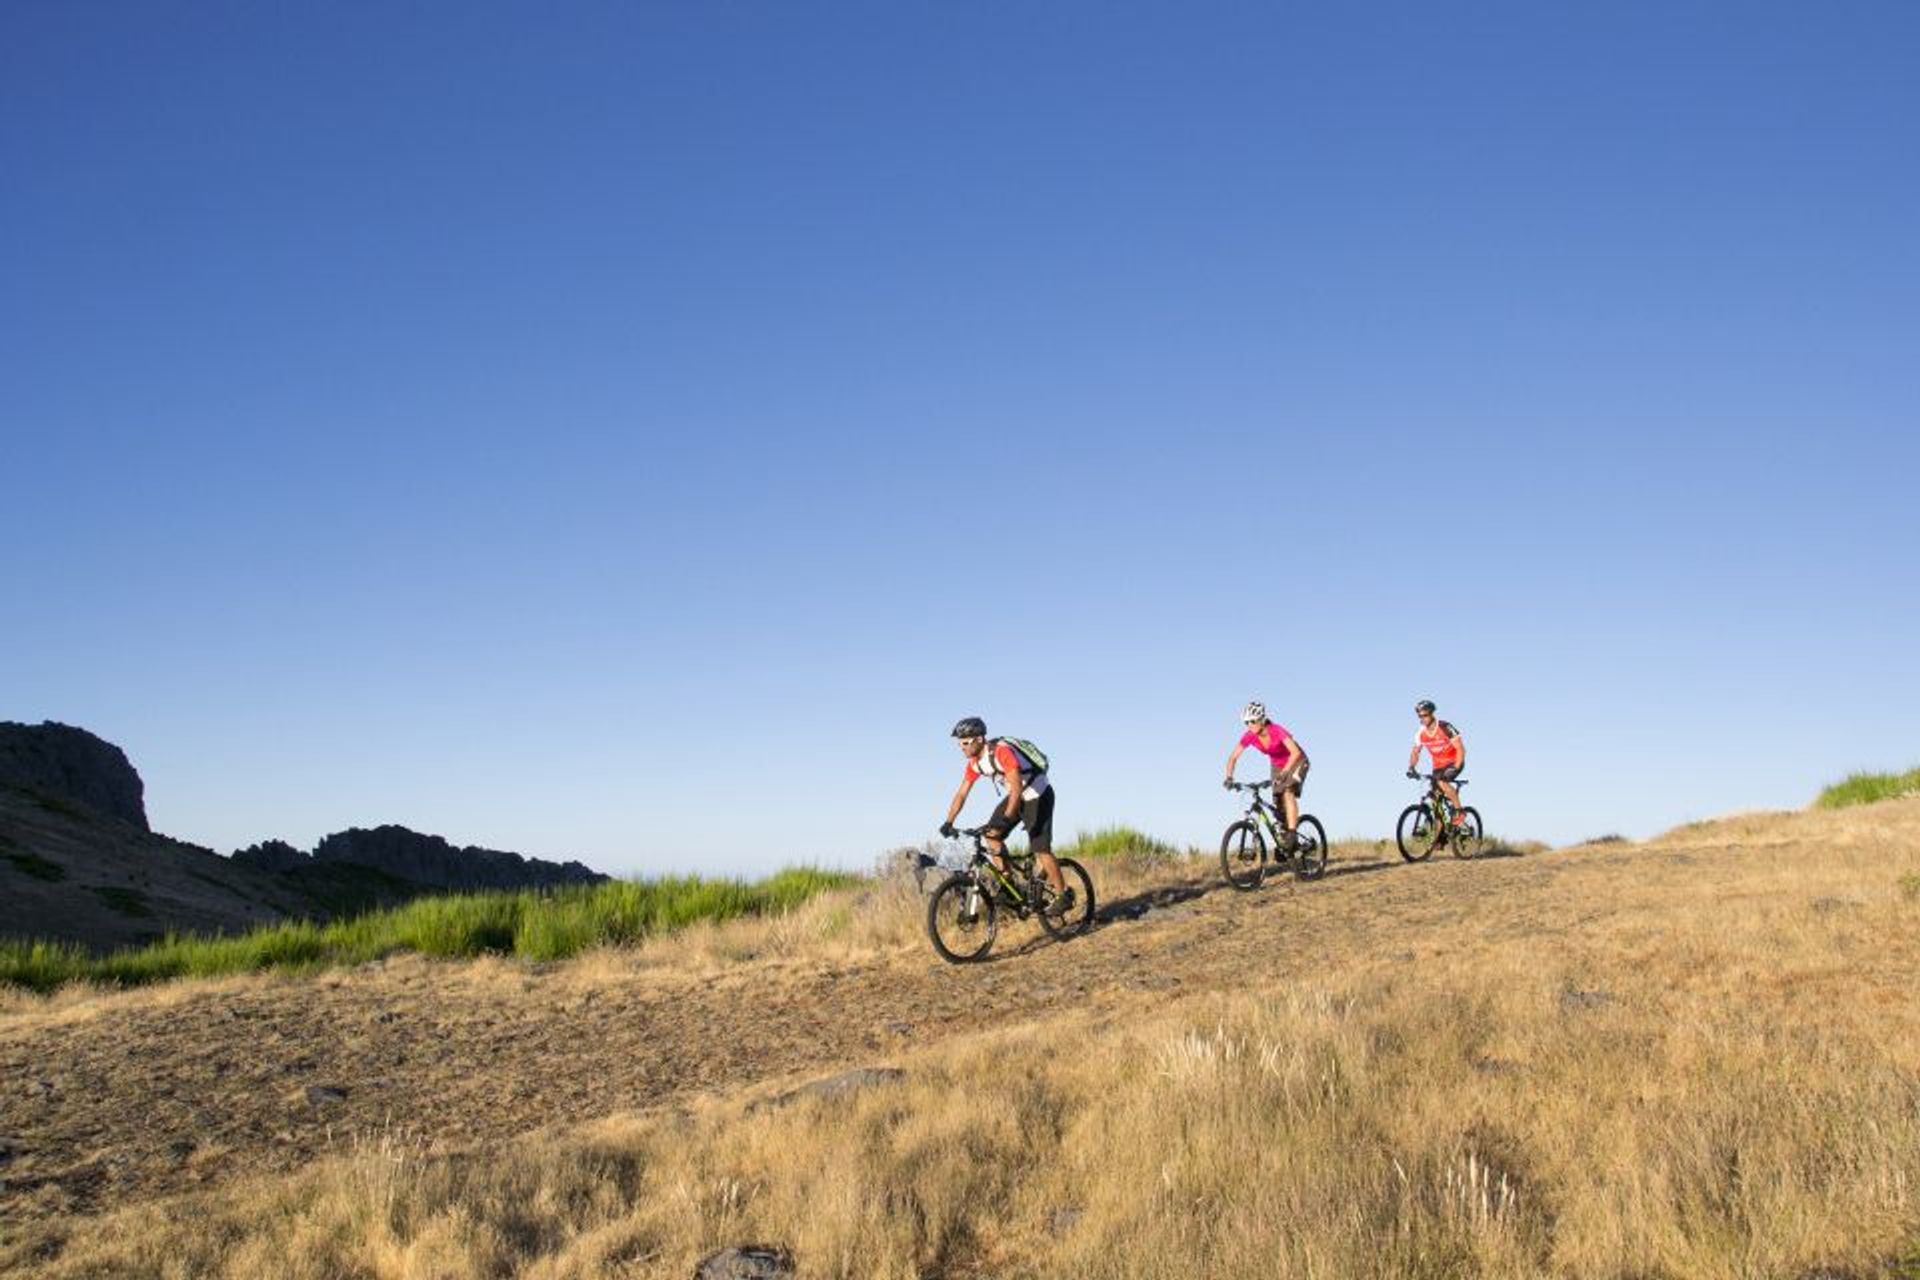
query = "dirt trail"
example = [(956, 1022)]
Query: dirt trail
[(127, 1097)]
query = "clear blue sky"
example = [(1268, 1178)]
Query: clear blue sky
[(637, 432)]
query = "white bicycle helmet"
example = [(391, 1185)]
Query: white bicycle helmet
[(1253, 713)]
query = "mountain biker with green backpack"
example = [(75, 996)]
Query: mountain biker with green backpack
[(1018, 771)]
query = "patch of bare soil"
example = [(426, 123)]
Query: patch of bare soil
[(122, 1097)]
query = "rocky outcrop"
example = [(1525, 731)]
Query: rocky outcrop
[(430, 860), (272, 855), (69, 764)]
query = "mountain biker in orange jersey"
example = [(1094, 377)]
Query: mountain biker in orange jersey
[(1028, 803), (1289, 759), (1448, 750)]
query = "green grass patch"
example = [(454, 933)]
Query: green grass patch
[(1111, 842), (1865, 788), (1910, 888), (128, 902), (530, 924), (32, 864)]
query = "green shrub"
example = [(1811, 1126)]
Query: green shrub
[(40, 966), (57, 804), (1108, 842), (1865, 788), (128, 902), (32, 864)]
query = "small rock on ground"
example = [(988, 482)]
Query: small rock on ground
[(747, 1262), (843, 1084), (1575, 1000)]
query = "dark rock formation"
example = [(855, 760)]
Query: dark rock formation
[(430, 860), (272, 855), (68, 764)]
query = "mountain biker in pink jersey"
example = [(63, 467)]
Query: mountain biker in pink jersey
[(1028, 802), (1289, 760), (1447, 749)]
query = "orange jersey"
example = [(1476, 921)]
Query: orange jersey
[(1442, 743)]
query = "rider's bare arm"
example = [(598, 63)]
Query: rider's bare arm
[(1016, 791), (1233, 758), (959, 800), (1413, 756)]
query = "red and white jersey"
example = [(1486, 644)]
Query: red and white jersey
[(999, 760), (1442, 742)]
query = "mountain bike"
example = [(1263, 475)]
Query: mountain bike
[(963, 915), (1426, 825), (1244, 847)]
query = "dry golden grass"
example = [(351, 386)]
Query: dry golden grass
[(1698, 1057)]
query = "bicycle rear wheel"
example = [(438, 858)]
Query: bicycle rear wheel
[(1243, 855), (1309, 848), (1469, 837), (1414, 833), (1078, 918), (961, 919)]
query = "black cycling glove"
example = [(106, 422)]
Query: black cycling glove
[(946, 829)]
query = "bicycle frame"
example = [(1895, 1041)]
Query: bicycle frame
[(1437, 803), (1022, 870), (1264, 809)]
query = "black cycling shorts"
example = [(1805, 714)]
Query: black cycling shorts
[(1035, 815), (1447, 773)]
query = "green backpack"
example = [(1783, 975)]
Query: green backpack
[(1032, 759)]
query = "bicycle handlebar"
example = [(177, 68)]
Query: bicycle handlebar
[(1252, 786), (1427, 777)]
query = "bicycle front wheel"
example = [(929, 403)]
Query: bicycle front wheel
[(1414, 833), (1309, 848), (961, 919), (1469, 837), (1077, 918), (1243, 855)]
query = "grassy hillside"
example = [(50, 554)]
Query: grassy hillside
[(1695, 1057)]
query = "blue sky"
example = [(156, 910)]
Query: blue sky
[(637, 433)]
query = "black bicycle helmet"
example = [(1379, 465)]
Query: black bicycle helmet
[(971, 727), (1425, 704)]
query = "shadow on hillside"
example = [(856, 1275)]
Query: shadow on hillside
[(1358, 868), (1499, 851), (1136, 905)]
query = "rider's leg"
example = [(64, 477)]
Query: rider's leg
[(1037, 817), (1453, 798), (1283, 805), (1298, 783), (996, 846)]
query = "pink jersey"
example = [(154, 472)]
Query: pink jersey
[(1275, 745)]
